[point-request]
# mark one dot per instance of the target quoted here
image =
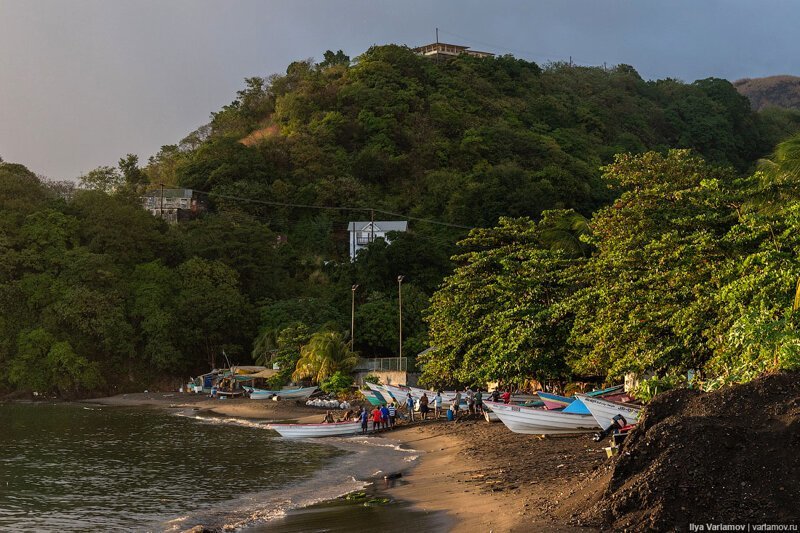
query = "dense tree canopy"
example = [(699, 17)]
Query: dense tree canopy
[(663, 260)]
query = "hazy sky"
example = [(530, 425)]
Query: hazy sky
[(83, 82)]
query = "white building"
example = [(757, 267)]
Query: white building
[(363, 233)]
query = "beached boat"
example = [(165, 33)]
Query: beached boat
[(380, 392), (533, 421), (317, 430), (554, 401), (604, 411), (284, 394)]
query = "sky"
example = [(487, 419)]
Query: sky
[(84, 82)]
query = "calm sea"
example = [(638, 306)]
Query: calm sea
[(71, 467)]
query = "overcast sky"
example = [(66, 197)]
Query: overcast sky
[(83, 82)]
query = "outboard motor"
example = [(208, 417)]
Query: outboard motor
[(617, 423)]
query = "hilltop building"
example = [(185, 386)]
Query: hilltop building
[(174, 205), (439, 50), (364, 232)]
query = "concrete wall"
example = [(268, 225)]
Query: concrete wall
[(390, 377)]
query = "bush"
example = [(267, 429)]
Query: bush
[(649, 388), (338, 383), (372, 378)]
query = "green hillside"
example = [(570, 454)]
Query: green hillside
[(96, 294)]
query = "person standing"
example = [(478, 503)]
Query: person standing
[(423, 405), (456, 403), (392, 414), (385, 416), (470, 397), (364, 416), (410, 407), (479, 401), (377, 417), (437, 404)]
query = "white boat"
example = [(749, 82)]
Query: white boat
[(533, 421), (398, 393), (317, 430), (381, 392), (284, 394), (604, 411)]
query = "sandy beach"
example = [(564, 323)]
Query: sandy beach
[(482, 475), (236, 407), (489, 479)]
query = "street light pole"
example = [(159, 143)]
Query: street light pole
[(353, 319), (400, 308)]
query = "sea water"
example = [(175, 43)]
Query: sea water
[(72, 467)]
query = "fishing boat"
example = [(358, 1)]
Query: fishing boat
[(554, 401), (533, 421), (604, 411), (381, 393), (285, 394), (331, 429)]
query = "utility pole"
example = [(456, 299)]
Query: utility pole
[(371, 225), (400, 308), (437, 35), (353, 319)]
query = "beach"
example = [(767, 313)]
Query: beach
[(484, 477), (489, 479)]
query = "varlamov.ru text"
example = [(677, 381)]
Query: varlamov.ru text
[(742, 527)]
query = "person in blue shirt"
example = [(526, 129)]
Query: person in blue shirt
[(385, 416), (364, 417), (392, 414), (410, 407)]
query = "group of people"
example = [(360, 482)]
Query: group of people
[(385, 416), (382, 417), (472, 399)]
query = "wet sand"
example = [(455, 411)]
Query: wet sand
[(235, 407)]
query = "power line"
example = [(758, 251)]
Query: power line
[(333, 208)]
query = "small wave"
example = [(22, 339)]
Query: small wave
[(366, 459), (225, 421)]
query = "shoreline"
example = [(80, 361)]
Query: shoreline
[(479, 474)]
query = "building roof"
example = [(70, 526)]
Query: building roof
[(170, 193), (380, 225)]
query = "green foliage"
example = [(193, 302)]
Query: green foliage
[(372, 378), (325, 354), (105, 179), (339, 383), (650, 388)]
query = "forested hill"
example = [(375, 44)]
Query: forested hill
[(98, 295), (464, 141), (771, 91)]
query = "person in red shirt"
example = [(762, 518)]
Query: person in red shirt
[(506, 396), (377, 417)]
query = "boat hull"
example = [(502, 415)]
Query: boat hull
[(285, 394), (604, 411), (532, 421), (299, 431)]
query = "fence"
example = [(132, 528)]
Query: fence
[(386, 364)]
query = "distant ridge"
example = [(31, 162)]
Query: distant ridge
[(780, 91)]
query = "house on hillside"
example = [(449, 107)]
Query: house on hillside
[(439, 50), (363, 233), (174, 205)]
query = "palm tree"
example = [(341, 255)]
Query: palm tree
[(562, 230), (325, 353)]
